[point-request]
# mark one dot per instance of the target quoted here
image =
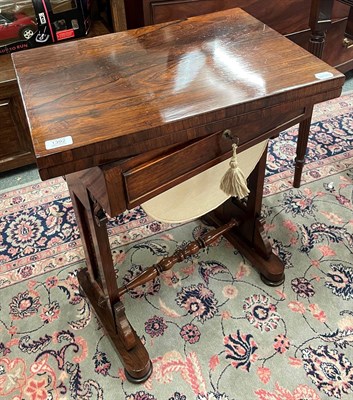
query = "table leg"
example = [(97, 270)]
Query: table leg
[(303, 136), (98, 283), (249, 237), (320, 21)]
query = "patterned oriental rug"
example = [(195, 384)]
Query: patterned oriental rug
[(213, 330)]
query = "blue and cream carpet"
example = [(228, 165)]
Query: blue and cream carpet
[(213, 330)]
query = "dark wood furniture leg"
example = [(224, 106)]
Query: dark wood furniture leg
[(98, 281), (239, 221), (303, 137), (168, 262), (320, 20), (98, 284), (249, 236)]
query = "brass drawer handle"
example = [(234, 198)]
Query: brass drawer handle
[(347, 43)]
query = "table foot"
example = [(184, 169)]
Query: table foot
[(142, 379), (135, 358), (271, 268), (257, 250), (271, 283)]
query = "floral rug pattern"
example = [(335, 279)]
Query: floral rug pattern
[(213, 330), (329, 148)]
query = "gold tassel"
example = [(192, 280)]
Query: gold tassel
[(233, 182)]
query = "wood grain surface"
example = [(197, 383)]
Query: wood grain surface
[(122, 94)]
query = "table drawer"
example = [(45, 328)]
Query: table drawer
[(151, 178), (170, 169)]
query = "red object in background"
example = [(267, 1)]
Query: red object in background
[(66, 34), (16, 25)]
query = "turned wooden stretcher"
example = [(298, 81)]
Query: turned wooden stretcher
[(128, 116)]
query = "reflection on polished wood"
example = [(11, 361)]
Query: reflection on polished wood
[(129, 115), (151, 87)]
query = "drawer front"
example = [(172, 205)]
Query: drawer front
[(15, 146), (9, 139), (164, 172), (335, 53)]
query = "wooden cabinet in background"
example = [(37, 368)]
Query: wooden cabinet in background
[(285, 16), (288, 17), (15, 143)]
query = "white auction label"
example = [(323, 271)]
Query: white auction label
[(59, 142), (324, 75)]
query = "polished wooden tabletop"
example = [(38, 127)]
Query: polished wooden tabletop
[(118, 95)]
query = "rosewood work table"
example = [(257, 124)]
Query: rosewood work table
[(126, 116)]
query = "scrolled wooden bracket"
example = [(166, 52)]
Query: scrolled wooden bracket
[(99, 214), (123, 326), (168, 262), (100, 217)]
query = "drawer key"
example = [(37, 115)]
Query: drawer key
[(233, 182)]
